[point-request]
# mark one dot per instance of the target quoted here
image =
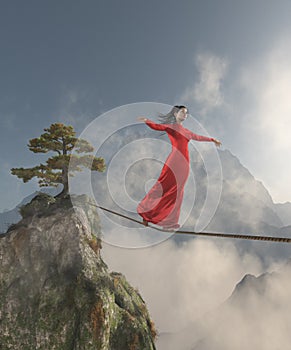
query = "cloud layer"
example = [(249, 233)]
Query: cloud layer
[(182, 283), (187, 289), (207, 91)]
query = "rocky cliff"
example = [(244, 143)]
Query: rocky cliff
[(56, 291)]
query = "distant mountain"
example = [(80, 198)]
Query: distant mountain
[(284, 212), (245, 205), (9, 217), (256, 316)]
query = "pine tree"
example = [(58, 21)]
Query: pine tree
[(61, 139)]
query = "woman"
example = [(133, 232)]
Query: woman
[(163, 202)]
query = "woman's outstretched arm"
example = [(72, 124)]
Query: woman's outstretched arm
[(205, 138), (152, 125)]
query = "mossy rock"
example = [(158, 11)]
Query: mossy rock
[(39, 204), (44, 205)]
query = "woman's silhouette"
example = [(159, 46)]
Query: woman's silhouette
[(162, 203)]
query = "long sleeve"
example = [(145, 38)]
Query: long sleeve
[(200, 138), (155, 126)]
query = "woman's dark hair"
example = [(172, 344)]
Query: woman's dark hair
[(170, 118)]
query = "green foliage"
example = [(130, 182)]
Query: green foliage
[(61, 139)]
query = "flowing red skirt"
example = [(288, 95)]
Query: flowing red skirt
[(163, 202)]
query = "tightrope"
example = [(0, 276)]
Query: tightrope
[(209, 234)]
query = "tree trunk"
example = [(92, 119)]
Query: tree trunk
[(65, 174), (65, 183)]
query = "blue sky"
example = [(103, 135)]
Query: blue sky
[(71, 61)]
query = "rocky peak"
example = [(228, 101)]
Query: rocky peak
[(56, 291)]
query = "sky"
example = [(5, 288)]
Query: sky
[(71, 61)]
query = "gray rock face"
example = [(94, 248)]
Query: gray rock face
[(57, 293)]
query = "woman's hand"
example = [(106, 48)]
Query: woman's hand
[(217, 143), (142, 119)]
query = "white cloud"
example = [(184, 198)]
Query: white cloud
[(268, 128), (269, 81), (206, 92), (253, 119)]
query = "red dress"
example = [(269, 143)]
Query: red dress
[(162, 203)]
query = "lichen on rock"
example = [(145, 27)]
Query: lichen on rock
[(56, 291)]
